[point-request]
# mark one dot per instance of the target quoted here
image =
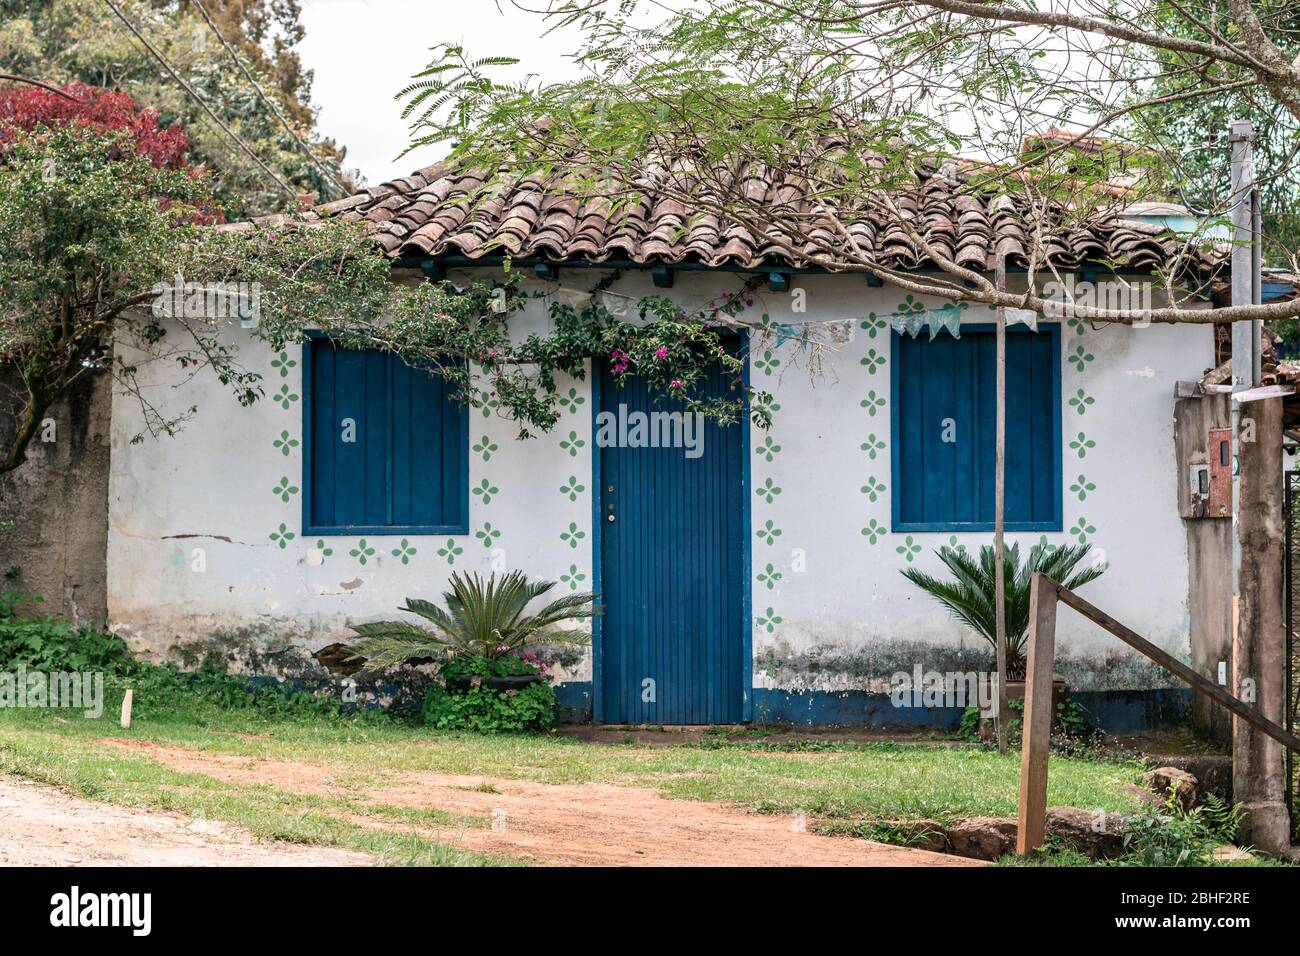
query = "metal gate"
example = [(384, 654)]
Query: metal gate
[(1292, 585)]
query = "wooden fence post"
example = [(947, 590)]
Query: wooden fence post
[(1036, 730)]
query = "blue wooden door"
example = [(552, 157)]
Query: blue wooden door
[(673, 568)]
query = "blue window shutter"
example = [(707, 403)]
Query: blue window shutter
[(407, 472), (952, 383)]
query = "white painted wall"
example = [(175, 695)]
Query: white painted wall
[(206, 499)]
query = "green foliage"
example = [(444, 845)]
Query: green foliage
[(483, 620), (161, 690), (972, 595), (1170, 836), (484, 710)]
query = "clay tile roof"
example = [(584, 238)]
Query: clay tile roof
[(439, 211)]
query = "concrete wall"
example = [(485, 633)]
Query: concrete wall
[(205, 545), (54, 507), (1209, 556)]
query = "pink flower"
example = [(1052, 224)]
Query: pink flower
[(677, 383), (661, 352)]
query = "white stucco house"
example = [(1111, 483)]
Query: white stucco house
[(758, 580)]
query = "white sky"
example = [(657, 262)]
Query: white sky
[(364, 51)]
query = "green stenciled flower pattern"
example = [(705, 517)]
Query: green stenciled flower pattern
[(283, 363), (284, 489), (873, 446), (769, 532), (768, 363), (281, 536), (362, 552), (769, 449), (572, 444), (571, 400), (485, 446), (1076, 325), (488, 402), (450, 551), (769, 576), (322, 550), (873, 489), (954, 545), (909, 549), (572, 577), (1081, 529), (404, 551), (1082, 444), (1080, 358), (572, 535), (572, 488), (873, 361), (285, 397), (285, 443), (768, 491), (1081, 486), (873, 324), (872, 403), (874, 531), (1046, 545), (1080, 401), (768, 620), (487, 534), (485, 490)]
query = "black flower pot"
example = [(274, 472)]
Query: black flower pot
[(461, 683)]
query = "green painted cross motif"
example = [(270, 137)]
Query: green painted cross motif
[(873, 361), (282, 536), (909, 549), (872, 403), (769, 449), (874, 531), (1080, 358), (769, 576), (485, 446), (573, 577), (323, 550), (571, 401), (873, 324), (485, 490), (769, 532), (873, 446), (284, 489), (362, 552), (572, 444), (1081, 400), (873, 489), (1081, 487), (573, 535), (285, 443), (1082, 444), (1082, 529), (283, 363), (768, 491), (768, 620), (451, 550), (572, 488), (768, 364), (285, 397), (487, 534), (405, 551)]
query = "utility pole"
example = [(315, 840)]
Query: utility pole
[(999, 506), (1258, 638)]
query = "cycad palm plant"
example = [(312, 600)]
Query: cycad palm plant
[(972, 596), (482, 619)]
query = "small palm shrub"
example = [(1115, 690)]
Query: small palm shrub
[(972, 594), (483, 633), (482, 619)]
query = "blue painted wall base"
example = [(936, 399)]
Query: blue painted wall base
[(1112, 711)]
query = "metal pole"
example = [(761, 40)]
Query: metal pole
[(1245, 341), (999, 507)]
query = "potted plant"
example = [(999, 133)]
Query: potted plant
[(971, 596), (482, 641)]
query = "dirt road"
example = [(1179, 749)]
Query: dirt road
[(570, 824), (41, 826)]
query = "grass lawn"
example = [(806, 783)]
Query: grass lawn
[(837, 785)]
